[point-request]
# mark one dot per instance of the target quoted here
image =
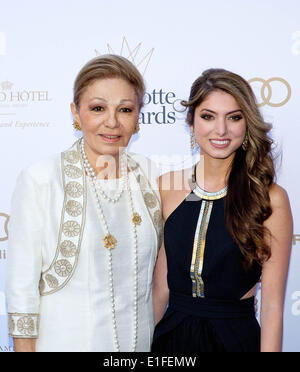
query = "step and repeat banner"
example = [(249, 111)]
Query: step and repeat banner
[(44, 44)]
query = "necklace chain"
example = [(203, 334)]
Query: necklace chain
[(124, 174), (201, 193)]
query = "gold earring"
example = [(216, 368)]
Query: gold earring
[(193, 141), (76, 125), (137, 128), (245, 143)]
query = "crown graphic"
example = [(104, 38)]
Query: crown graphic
[(6, 85), (132, 55)]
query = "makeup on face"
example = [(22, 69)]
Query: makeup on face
[(108, 113), (219, 125)]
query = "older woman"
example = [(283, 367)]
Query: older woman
[(85, 228)]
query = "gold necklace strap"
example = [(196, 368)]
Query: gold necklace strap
[(206, 195)]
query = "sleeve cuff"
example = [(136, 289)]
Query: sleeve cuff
[(23, 325)]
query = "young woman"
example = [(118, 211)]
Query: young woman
[(226, 229), (85, 228)]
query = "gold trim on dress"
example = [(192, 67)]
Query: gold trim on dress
[(201, 231), (199, 249)]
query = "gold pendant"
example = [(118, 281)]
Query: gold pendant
[(109, 241), (136, 219)]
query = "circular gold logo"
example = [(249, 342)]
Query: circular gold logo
[(266, 85), (6, 216)]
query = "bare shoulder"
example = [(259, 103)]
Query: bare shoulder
[(174, 187), (281, 220), (278, 196)]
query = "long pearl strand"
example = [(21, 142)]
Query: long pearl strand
[(124, 173)]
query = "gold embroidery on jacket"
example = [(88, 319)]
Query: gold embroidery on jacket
[(74, 189), (23, 325), (151, 200), (74, 208), (73, 172), (73, 218), (71, 226), (51, 281), (68, 248)]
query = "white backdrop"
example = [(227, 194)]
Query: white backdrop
[(44, 44)]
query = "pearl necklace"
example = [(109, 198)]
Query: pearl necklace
[(122, 183), (110, 243), (91, 173)]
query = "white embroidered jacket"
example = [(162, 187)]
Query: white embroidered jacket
[(44, 246)]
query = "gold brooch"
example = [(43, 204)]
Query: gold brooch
[(136, 219), (110, 242)]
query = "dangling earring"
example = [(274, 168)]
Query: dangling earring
[(193, 141), (76, 125), (137, 128), (245, 143)]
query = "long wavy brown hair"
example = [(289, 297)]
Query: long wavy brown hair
[(247, 204)]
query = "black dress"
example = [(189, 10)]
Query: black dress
[(207, 280)]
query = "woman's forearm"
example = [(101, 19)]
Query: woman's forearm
[(24, 345), (271, 331), (160, 303)]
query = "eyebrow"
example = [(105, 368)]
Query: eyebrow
[(127, 100), (228, 113), (122, 101)]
